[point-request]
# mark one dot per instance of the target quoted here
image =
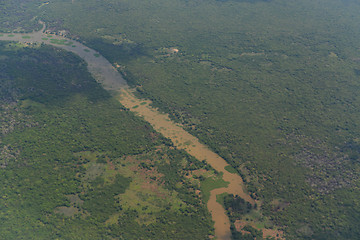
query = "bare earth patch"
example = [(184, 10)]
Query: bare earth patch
[(67, 211)]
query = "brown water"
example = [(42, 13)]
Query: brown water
[(111, 79), (184, 140)]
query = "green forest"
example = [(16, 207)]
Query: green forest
[(76, 165), (270, 85)]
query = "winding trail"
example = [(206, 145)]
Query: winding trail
[(111, 80)]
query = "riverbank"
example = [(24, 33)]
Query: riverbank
[(103, 71), (184, 140)]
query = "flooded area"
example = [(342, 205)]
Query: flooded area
[(104, 72)]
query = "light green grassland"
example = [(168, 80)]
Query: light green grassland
[(212, 183)]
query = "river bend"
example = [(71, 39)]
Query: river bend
[(106, 74)]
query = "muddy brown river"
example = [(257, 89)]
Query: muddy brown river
[(104, 72)]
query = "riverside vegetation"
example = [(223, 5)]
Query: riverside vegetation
[(269, 85), (75, 164), (105, 74), (111, 80)]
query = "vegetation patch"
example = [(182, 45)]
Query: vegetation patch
[(212, 183), (85, 167), (230, 169), (58, 41), (280, 100), (66, 211)]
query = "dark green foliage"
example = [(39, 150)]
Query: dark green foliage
[(269, 86), (272, 86), (125, 52), (52, 111), (176, 226), (172, 176), (19, 14), (49, 87), (99, 201), (236, 208), (236, 205), (252, 235)]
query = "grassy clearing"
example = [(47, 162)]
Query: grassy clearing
[(26, 37), (11, 35), (148, 201), (29, 104), (45, 39), (145, 195), (187, 143), (86, 50), (230, 169), (66, 211), (220, 198), (96, 55), (210, 184), (58, 41)]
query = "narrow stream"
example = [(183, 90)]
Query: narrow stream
[(111, 80)]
